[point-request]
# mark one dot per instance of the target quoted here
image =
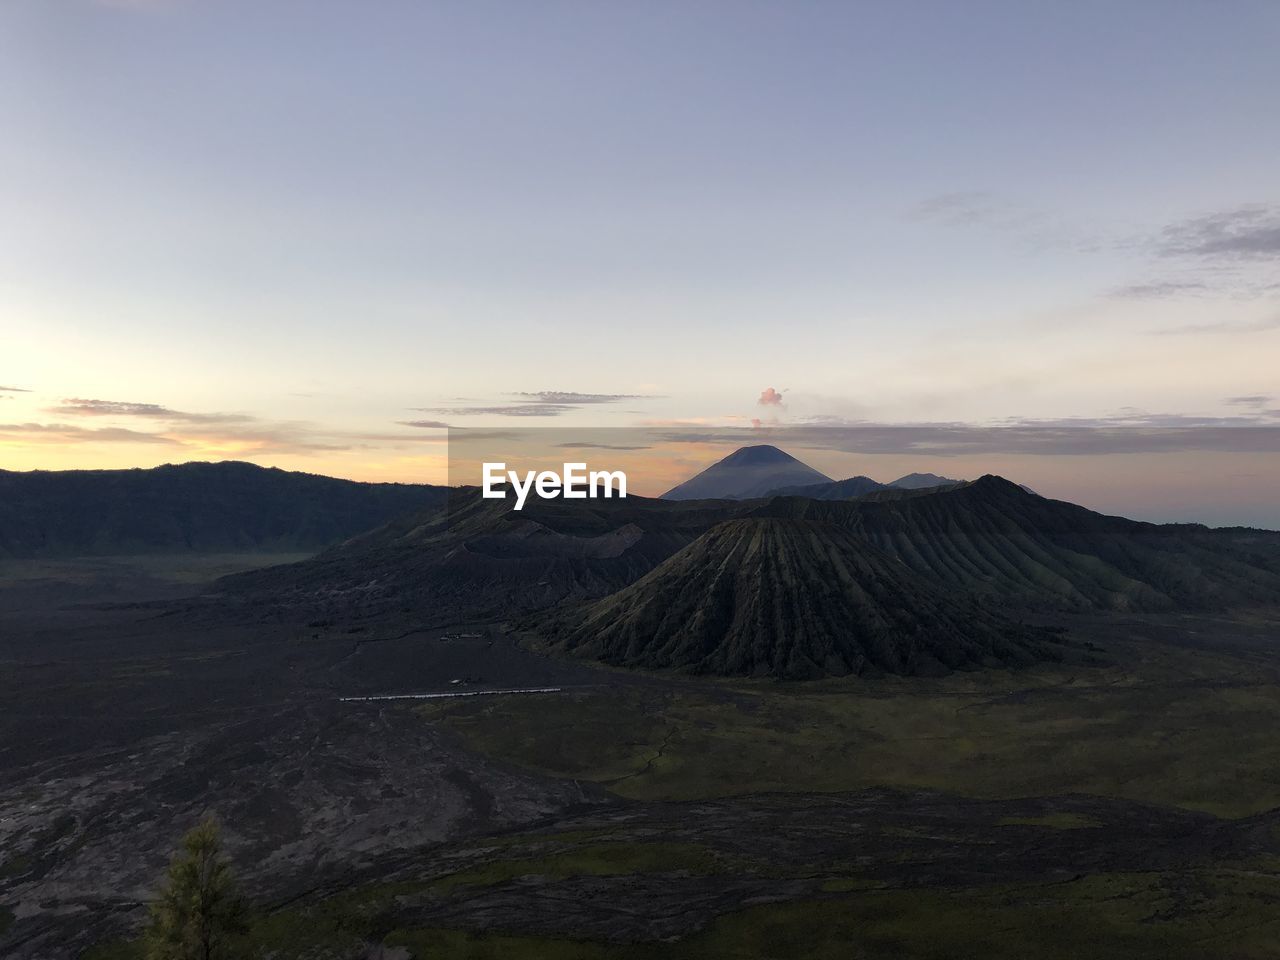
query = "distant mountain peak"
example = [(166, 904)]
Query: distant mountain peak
[(759, 453), (921, 481), (846, 489), (748, 472), (994, 480)]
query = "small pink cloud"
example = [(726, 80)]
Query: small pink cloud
[(770, 397)]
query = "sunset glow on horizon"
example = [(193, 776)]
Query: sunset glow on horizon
[(606, 216)]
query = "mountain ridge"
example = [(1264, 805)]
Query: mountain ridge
[(845, 489), (993, 536), (990, 539), (921, 481), (198, 506)]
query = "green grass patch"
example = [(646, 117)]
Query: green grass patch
[(332, 928), (995, 735), (115, 950), (1196, 915), (622, 732), (1111, 917)]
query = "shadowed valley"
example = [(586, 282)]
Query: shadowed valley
[(948, 720)]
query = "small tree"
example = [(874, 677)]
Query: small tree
[(198, 913)]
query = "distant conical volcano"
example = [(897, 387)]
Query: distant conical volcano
[(748, 472)]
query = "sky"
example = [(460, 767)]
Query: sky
[(308, 233)]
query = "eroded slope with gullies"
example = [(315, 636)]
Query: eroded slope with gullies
[(478, 558), (993, 537), (791, 598)]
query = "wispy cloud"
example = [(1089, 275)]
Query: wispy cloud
[(1248, 232), (666, 422), (1125, 433), (1034, 227), (971, 207), (262, 437), (80, 407), (62, 433), (1131, 417), (1159, 290), (424, 424), (603, 446), (507, 410), (1215, 254), (573, 398), (1227, 253), (205, 434), (1223, 327), (1254, 400), (13, 390), (540, 403)]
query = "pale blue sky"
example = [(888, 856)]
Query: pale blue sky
[(320, 215)]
